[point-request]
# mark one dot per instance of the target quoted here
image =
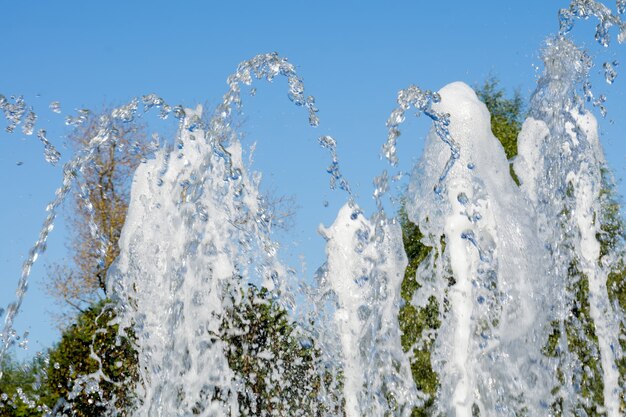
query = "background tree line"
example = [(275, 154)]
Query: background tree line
[(49, 382)]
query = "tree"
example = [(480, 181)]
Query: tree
[(21, 388), (93, 369), (103, 201), (90, 371)]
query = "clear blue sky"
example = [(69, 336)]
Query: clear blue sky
[(353, 55)]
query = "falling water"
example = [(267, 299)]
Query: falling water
[(514, 249)]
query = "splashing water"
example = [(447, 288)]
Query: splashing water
[(507, 266)]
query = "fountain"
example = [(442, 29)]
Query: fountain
[(518, 261)]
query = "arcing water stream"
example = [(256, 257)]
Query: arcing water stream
[(513, 259)]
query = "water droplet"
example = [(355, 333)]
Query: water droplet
[(179, 112), (325, 203), (327, 142), (609, 72), (314, 119), (362, 280), (51, 155), (152, 100), (55, 106), (306, 343), (126, 113), (29, 123), (462, 198), (194, 123), (19, 163), (587, 91)]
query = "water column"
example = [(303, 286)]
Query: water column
[(560, 166), (365, 268), (487, 269)]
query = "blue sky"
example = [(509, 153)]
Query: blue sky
[(353, 56)]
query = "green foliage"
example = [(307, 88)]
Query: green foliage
[(93, 368), (506, 114), (280, 368), (414, 322), (21, 388), (507, 117), (69, 379)]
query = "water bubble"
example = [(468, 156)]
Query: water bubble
[(55, 106), (325, 204), (19, 163)]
